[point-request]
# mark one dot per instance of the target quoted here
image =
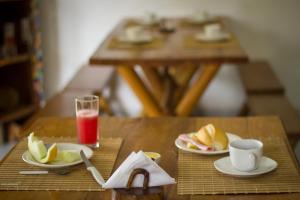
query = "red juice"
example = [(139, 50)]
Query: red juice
[(87, 126)]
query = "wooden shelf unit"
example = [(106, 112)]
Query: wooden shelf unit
[(19, 68), (14, 60), (16, 114)]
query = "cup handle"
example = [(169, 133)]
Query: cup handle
[(253, 161)]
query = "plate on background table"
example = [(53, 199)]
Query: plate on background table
[(221, 36), (27, 157), (224, 166), (182, 145), (143, 39)]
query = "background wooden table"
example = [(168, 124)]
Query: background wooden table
[(152, 134), (170, 93)]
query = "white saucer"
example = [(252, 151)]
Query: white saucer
[(182, 145), (223, 165), (60, 146), (145, 38), (212, 38), (196, 20)]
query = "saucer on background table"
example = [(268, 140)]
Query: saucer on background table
[(145, 38), (222, 36), (182, 145), (201, 20), (224, 166), (60, 146)]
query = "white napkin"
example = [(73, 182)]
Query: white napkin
[(120, 177)]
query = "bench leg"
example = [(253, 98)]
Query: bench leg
[(151, 106), (190, 99)]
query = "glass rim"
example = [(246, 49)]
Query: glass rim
[(93, 98)]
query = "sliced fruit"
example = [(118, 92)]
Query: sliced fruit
[(36, 147), (51, 154), (152, 155), (68, 156), (39, 151)]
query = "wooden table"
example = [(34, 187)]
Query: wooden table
[(152, 134), (170, 92)]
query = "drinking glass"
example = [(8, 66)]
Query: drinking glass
[(87, 111)]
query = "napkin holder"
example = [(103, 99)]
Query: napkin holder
[(137, 193)]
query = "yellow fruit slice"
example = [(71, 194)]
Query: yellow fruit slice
[(39, 151), (152, 155), (51, 154)]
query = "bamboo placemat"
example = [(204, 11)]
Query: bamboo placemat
[(114, 43), (78, 180), (191, 42), (197, 175)]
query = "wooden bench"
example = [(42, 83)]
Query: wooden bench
[(259, 78), (90, 78), (277, 105), (87, 80)]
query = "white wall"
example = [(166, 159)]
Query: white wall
[(266, 28)]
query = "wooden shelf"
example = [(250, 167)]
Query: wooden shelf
[(17, 113), (14, 60)]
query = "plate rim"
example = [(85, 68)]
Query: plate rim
[(147, 38), (49, 166), (223, 37), (245, 174), (205, 152)]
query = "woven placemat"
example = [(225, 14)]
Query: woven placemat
[(78, 180), (114, 43), (191, 42), (197, 175)]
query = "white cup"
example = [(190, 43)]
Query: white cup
[(134, 32), (212, 30), (245, 155)]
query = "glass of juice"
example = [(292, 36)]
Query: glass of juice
[(87, 111)]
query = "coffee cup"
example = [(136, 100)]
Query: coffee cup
[(134, 32), (212, 30), (246, 154)]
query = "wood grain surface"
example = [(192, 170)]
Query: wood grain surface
[(153, 134), (172, 51)]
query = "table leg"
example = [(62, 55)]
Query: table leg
[(168, 97), (189, 100), (151, 106), (155, 81), (182, 76)]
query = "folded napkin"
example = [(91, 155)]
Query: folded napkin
[(120, 177)]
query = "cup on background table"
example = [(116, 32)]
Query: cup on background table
[(246, 154), (87, 111), (213, 30), (134, 32)]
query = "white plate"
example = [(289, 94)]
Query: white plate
[(200, 20), (182, 145), (146, 38), (266, 165), (60, 146), (206, 38)]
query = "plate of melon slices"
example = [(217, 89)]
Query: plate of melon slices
[(56, 155), (209, 140)]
